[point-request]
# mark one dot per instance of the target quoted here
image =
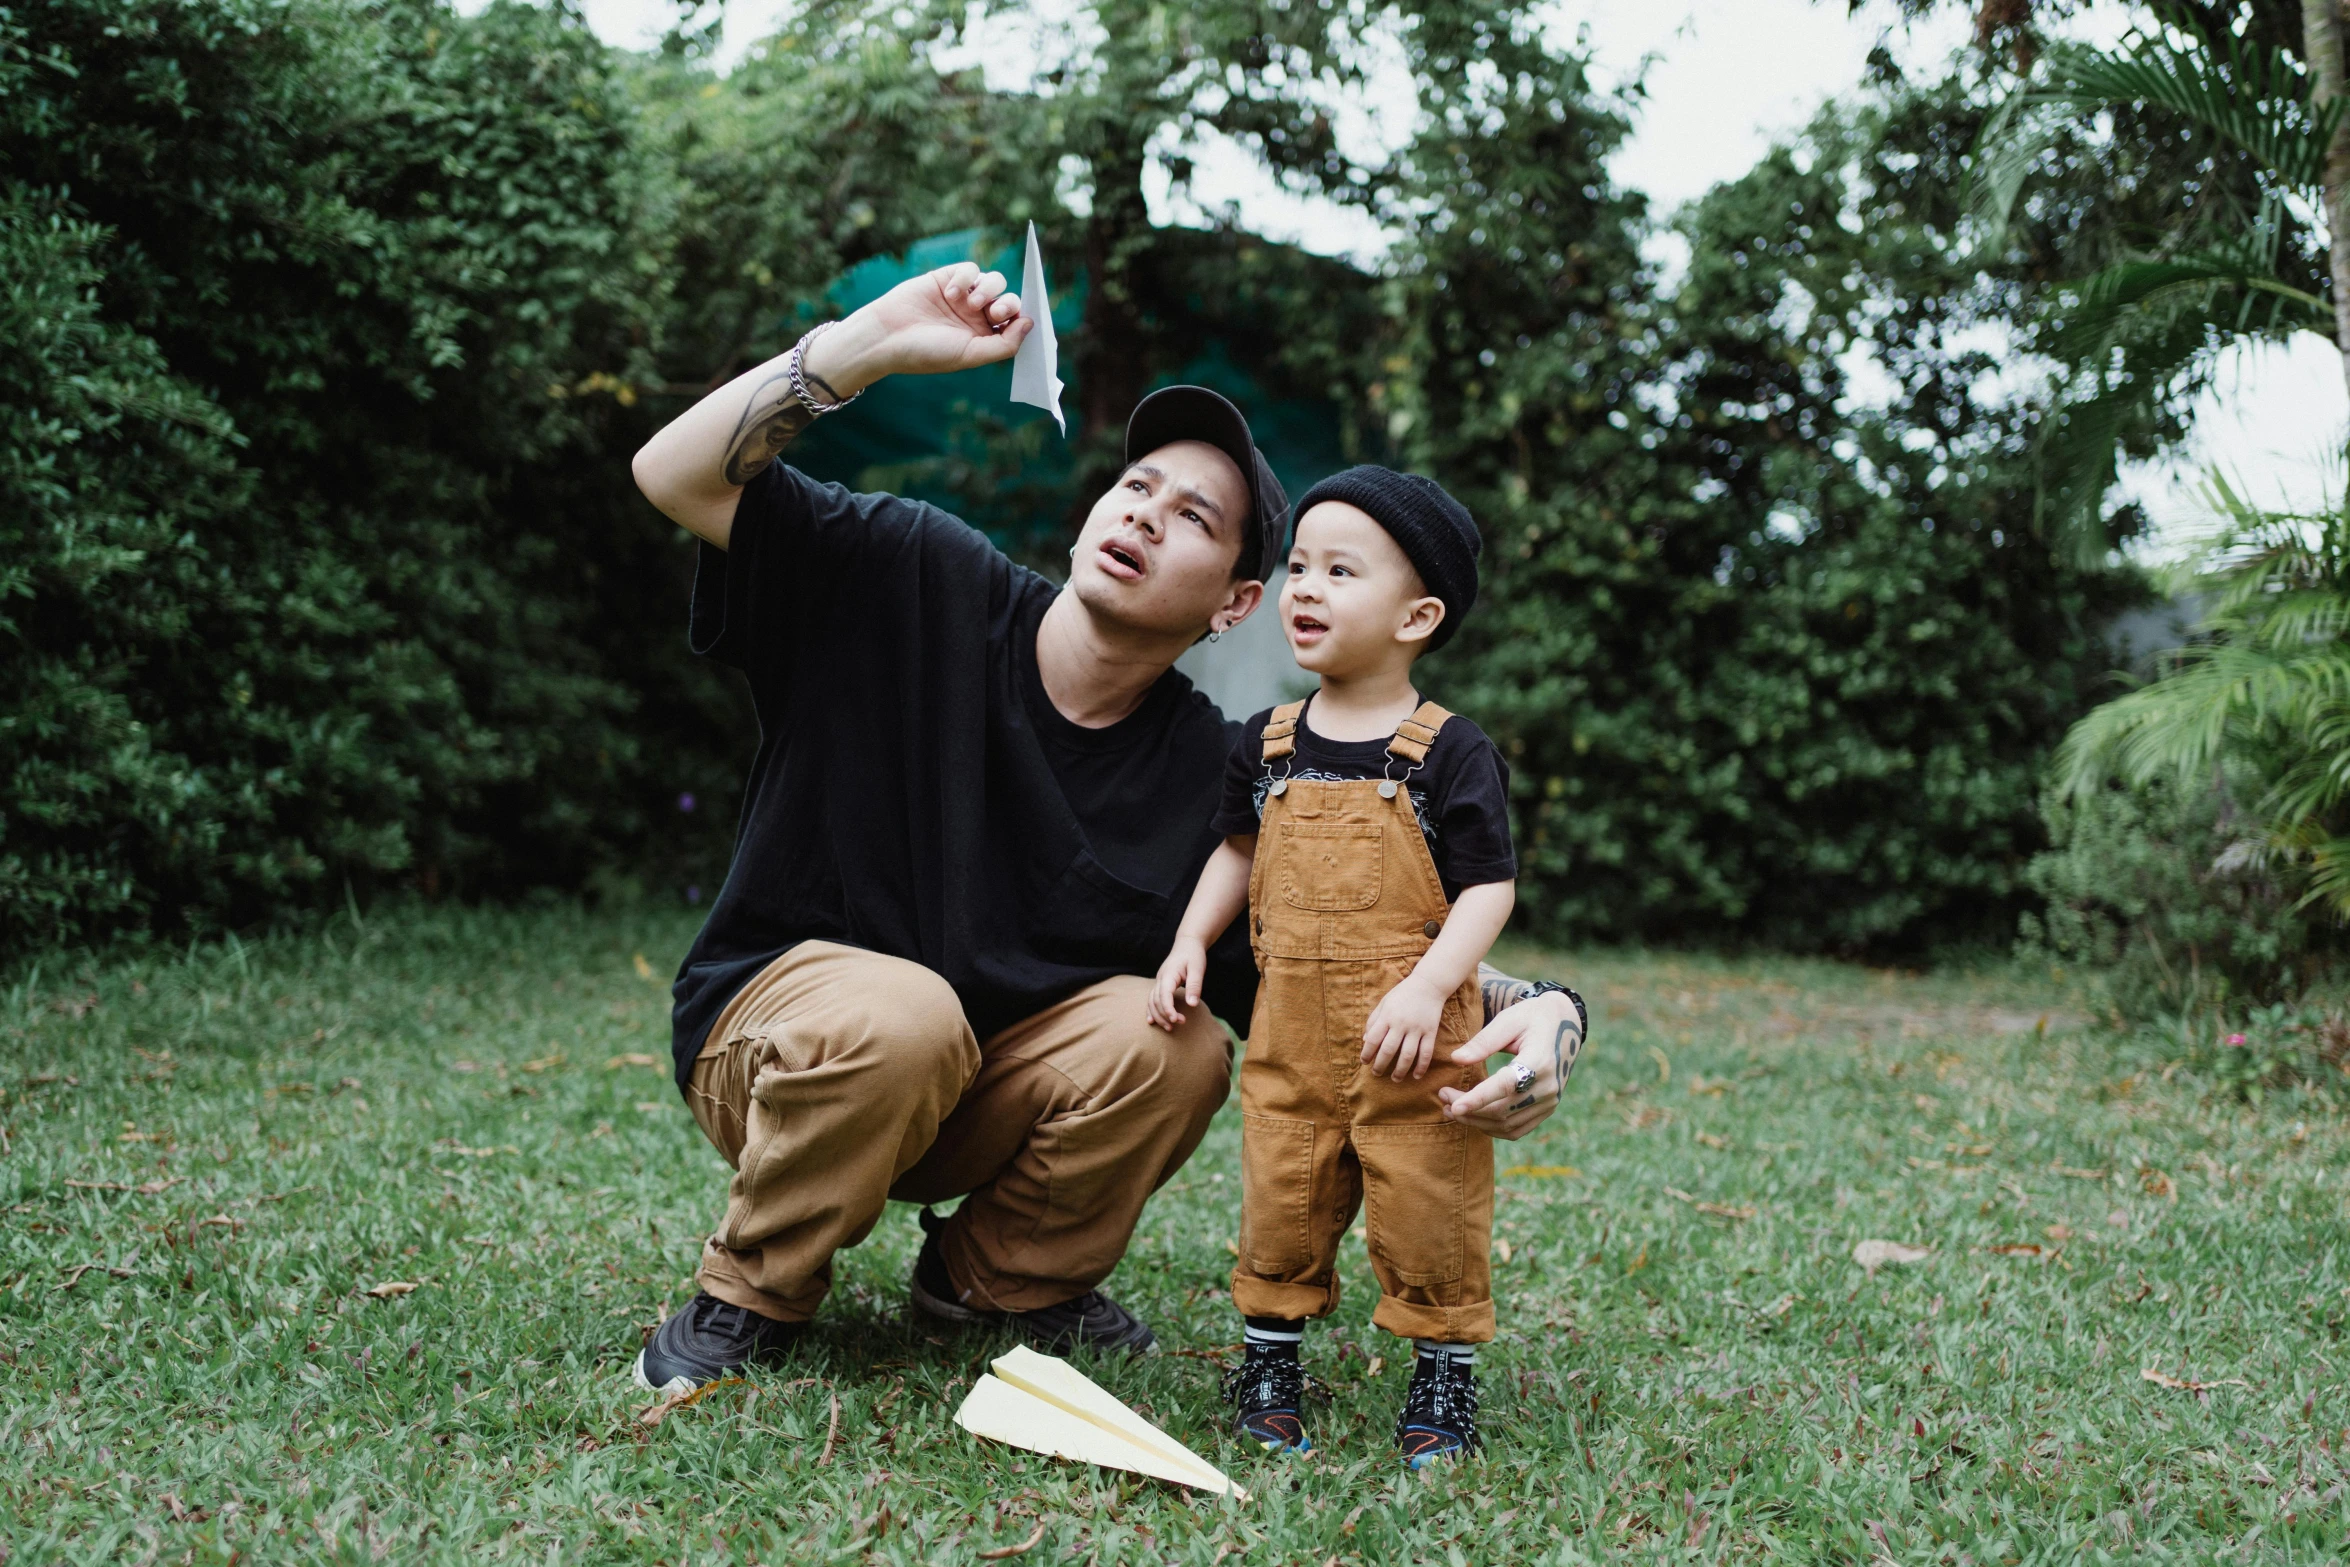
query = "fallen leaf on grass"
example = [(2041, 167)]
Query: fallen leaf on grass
[(2186, 1385), (73, 1275), (632, 1058), (1710, 1140), (1377, 1365), (644, 970), (2156, 1184), (1664, 1068), (2022, 1249), (654, 1414), (1022, 1549), (1543, 1172), (544, 1063), (2078, 1175), (1720, 1210), (1503, 1247), (454, 1146), (389, 1288), (465, 1066), (144, 1188), (2059, 1233), (1873, 1255)]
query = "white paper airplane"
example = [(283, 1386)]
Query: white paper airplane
[(1036, 368), (1048, 1406)]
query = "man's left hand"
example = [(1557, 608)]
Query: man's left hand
[(1544, 1035)]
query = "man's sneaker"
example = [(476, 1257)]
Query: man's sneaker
[(1268, 1390), (1091, 1321), (708, 1340), (1439, 1418)]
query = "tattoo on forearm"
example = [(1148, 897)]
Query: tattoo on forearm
[(770, 421), (1499, 991)]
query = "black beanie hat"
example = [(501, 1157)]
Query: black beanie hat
[(1437, 534)]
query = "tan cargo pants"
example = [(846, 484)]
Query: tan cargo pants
[(839, 1079), (1343, 900)]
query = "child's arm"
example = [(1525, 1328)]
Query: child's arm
[(1218, 900), (1402, 1032)]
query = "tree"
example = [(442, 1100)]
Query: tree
[(2245, 135)]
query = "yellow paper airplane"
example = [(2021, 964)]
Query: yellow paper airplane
[(1048, 1406)]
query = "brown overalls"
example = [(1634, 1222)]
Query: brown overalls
[(1343, 901)]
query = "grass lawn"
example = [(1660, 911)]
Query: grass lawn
[(215, 1165)]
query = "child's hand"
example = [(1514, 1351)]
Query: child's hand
[(1178, 983), (1402, 1030)]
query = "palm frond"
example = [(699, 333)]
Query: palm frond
[(2256, 98), (2264, 696), (2136, 328), (2231, 285)]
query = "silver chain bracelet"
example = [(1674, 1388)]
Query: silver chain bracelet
[(796, 375)]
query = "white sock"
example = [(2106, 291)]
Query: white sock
[(1458, 1354), (1274, 1338)]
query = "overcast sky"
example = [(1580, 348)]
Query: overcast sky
[(1723, 78)]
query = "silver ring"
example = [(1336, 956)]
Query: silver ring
[(1524, 1076)]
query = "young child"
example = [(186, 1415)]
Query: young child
[(1366, 835)]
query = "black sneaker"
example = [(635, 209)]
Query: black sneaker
[(708, 1340), (1439, 1418), (1091, 1321), (1269, 1390)]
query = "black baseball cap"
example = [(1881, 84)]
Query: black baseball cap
[(1193, 413)]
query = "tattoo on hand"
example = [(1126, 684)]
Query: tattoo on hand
[(770, 421), (1565, 1047)]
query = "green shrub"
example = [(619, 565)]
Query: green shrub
[(2160, 895), (308, 552)]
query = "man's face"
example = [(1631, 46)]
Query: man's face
[(1157, 551)]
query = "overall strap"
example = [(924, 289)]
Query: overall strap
[(1281, 731), (1416, 734)]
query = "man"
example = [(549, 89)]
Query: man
[(976, 814)]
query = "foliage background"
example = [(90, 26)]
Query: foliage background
[(333, 325)]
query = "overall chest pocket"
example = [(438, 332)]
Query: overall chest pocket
[(1329, 867)]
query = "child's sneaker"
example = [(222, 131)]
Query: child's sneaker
[(1439, 1418), (1268, 1389)]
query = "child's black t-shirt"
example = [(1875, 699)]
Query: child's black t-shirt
[(1461, 794)]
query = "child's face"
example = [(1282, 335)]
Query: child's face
[(1352, 602)]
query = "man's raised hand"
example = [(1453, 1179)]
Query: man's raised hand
[(954, 318)]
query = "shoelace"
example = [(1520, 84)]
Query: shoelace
[(1280, 1382), (1444, 1397)]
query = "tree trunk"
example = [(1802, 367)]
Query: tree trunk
[(2321, 30)]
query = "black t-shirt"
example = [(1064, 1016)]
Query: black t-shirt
[(1461, 794), (915, 793)]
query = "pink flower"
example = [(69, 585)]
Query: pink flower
[(2237, 1039)]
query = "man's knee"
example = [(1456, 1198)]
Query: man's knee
[(1189, 1070), (869, 1016)]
